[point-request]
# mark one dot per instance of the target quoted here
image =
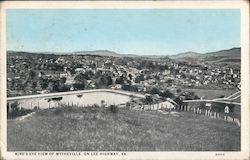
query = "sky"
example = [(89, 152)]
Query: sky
[(125, 31)]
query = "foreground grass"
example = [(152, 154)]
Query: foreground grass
[(87, 129)]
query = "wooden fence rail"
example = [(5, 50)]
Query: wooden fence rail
[(210, 113), (195, 110)]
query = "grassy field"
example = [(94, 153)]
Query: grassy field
[(212, 93), (88, 129)]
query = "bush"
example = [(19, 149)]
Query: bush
[(154, 90), (36, 108), (148, 99), (79, 96), (166, 94), (113, 108), (16, 111)]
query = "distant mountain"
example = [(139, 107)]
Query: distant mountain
[(99, 53), (185, 54), (222, 56), (234, 52)]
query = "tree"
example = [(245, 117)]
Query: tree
[(125, 87), (166, 94), (179, 101), (32, 74), (148, 99), (39, 86), (63, 80), (119, 80), (130, 76), (139, 78), (34, 84), (71, 70), (56, 86), (89, 73), (191, 95), (80, 78), (154, 90), (169, 81), (178, 90), (43, 82), (106, 80), (79, 86), (98, 74)]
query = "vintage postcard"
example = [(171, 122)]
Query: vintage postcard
[(124, 80)]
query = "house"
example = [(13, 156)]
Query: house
[(79, 69), (64, 74)]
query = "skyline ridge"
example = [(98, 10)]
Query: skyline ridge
[(114, 52)]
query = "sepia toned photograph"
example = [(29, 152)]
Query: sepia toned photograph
[(123, 80)]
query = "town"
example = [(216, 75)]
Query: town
[(33, 73)]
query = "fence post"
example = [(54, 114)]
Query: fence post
[(237, 121), (214, 114), (218, 115)]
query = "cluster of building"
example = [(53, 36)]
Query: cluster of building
[(28, 74)]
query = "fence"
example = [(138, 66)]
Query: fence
[(163, 105), (196, 110), (210, 113), (159, 106)]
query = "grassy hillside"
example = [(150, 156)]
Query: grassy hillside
[(88, 129), (211, 93)]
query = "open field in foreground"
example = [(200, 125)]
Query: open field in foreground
[(88, 129)]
